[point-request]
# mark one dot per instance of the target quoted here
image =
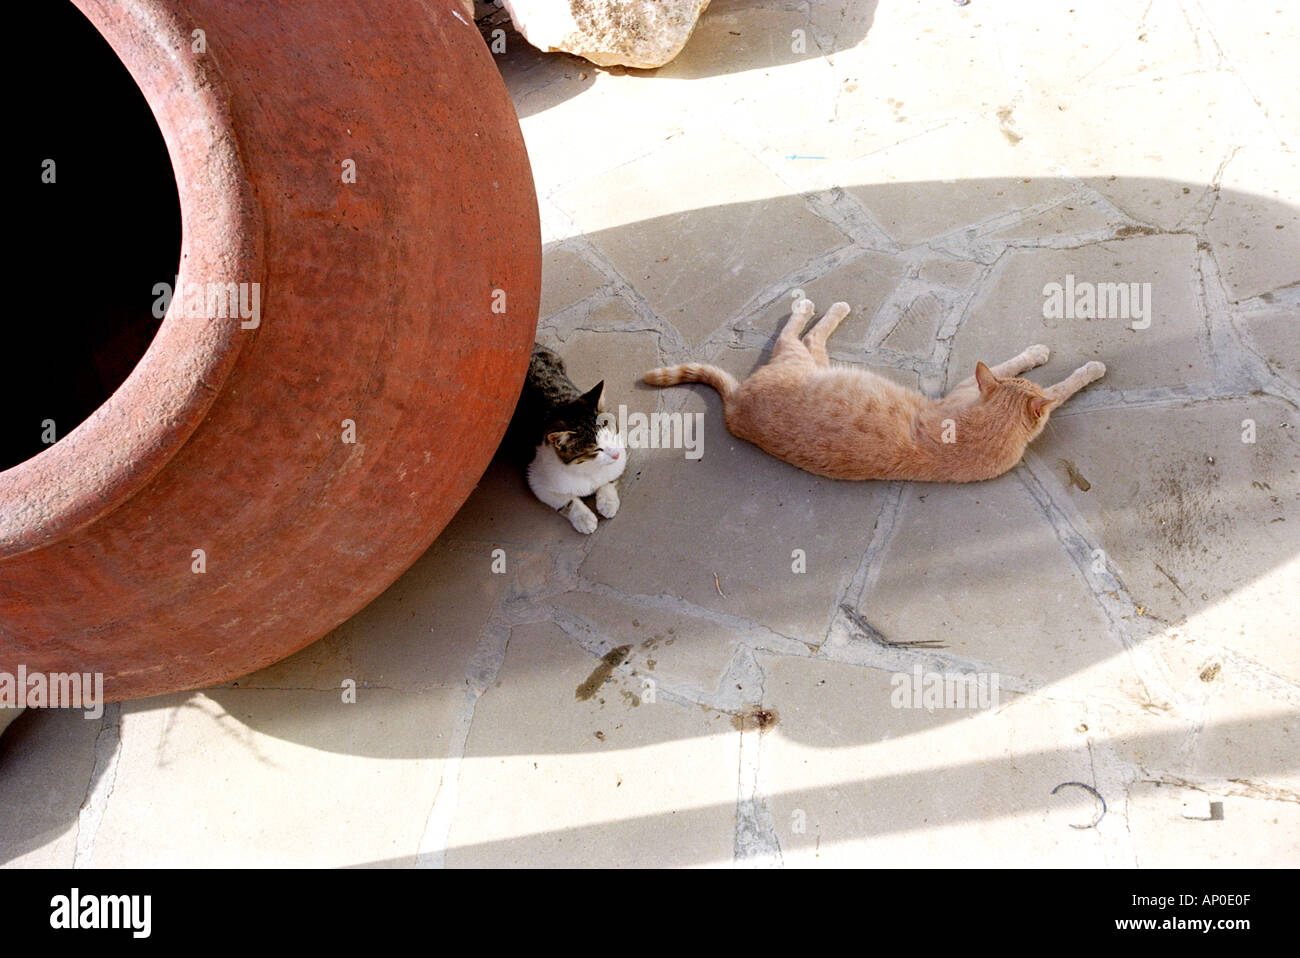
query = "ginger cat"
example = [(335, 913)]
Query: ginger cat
[(849, 423)]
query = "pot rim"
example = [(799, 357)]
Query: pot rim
[(123, 444)]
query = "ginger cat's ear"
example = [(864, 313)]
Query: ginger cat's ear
[(1038, 407), (984, 378)]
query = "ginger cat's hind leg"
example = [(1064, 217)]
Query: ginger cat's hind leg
[(815, 339), (788, 345)]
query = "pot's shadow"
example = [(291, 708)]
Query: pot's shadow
[(1187, 514)]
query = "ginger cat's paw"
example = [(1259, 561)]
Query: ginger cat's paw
[(1038, 354), (1094, 370), (607, 501), (803, 307)]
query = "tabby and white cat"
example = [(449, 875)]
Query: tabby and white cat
[(574, 451), (849, 423)]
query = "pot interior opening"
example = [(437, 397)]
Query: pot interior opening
[(101, 228)]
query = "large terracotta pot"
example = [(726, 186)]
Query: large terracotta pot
[(380, 304)]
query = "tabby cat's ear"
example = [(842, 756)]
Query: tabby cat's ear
[(595, 397), (558, 437), (1038, 406), (984, 378)]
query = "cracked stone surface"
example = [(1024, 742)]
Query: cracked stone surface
[(716, 677), (1176, 343), (602, 758)]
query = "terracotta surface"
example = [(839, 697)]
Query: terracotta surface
[(376, 307)]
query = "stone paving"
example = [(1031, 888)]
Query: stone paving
[(734, 670)]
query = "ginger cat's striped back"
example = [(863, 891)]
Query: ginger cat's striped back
[(849, 423)]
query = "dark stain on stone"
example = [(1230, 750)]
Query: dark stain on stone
[(1135, 230), (755, 719), (1076, 477), (1004, 125), (1184, 511), (1210, 672), (608, 663)]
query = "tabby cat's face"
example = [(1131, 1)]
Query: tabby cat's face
[(578, 435)]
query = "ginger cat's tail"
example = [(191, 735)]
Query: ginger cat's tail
[(719, 379)]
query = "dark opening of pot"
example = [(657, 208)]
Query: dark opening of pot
[(98, 226)]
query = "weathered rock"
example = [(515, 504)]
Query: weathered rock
[(635, 33)]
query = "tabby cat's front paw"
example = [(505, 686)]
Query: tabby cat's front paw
[(582, 518), (607, 501)]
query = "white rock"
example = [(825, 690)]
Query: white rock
[(1199, 807), (637, 33)]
